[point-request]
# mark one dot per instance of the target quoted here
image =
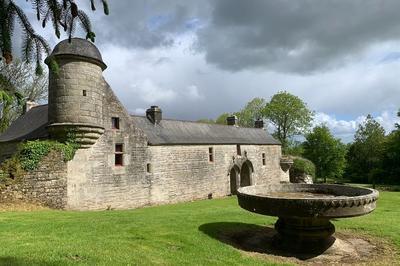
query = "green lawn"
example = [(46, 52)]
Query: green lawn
[(174, 235)]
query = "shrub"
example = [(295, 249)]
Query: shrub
[(32, 152), (302, 166)]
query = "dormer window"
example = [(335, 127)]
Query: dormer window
[(115, 122)]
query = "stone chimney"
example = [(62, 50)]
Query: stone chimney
[(154, 114), (259, 123), (29, 105), (232, 121)]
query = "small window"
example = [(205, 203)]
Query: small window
[(148, 168), (238, 150), (84, 93), (115, 122), (211, 154), (263, 159), (119, 154)]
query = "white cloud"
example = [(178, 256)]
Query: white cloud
[(192, 92), (152, 93), (345, 129)]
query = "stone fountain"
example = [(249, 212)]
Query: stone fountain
[(305, 211)]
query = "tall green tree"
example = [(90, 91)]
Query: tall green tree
[(63, 15), (289, 114), (222, 119), (366, 152), (252, 111), (19, 84), (326, 152), (391, 159)]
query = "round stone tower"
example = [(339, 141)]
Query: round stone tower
[(76, 92)]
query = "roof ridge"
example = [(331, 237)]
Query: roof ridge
[(195, 122)]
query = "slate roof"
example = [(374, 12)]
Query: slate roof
[(78, 47), (174, 132), (31, 125)]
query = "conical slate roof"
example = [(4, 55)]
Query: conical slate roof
[(79, 47)]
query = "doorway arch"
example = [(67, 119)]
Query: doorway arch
[(234, 178), (245, 175)]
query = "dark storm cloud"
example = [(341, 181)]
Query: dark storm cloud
[(147, 24), (295, 36)]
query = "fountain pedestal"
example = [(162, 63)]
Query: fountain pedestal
[(304, 234)]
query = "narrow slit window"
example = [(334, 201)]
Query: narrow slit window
[(211, 154), (263, 159), (148, 168), (238, 150), (84, 93), (115, 122), (119, 154)]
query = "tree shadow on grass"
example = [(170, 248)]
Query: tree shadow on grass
[(250, 238)]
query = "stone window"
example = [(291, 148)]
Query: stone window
[(211, 154), (84, 93), (115, 122), (119, 154), (148, 168), (238, 150), (263, 159)]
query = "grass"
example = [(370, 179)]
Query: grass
[(181, 234)]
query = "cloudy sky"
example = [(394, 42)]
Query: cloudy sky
[(198, 59)]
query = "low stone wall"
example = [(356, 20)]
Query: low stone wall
[(47, 185)]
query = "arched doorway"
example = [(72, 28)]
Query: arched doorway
[(234, 173), (245, 175)]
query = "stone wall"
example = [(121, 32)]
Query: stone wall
[(94, 182), (181, 173), (47, 185)]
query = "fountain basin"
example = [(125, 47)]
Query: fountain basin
[(305, 210)]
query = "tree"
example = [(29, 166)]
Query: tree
[(391, 159), (327, 153), (62, 14), (289, 114), (207, 121), (366, 152), (251, 112), (221, 120), (21, 83)]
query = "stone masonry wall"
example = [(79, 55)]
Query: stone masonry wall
[(94, 182), (47, 185), (184, 172)]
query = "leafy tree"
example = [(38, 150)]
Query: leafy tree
[(391, 160), (62, 14), (294, 148), (366, 152), (289, 114), (207, 121), (8, 95), (19, 84), (327, 153), (251, 112), (222, 119)]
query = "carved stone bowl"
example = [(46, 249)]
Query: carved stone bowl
[(304, 210)]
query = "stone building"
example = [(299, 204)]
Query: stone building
[(128, 161)]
